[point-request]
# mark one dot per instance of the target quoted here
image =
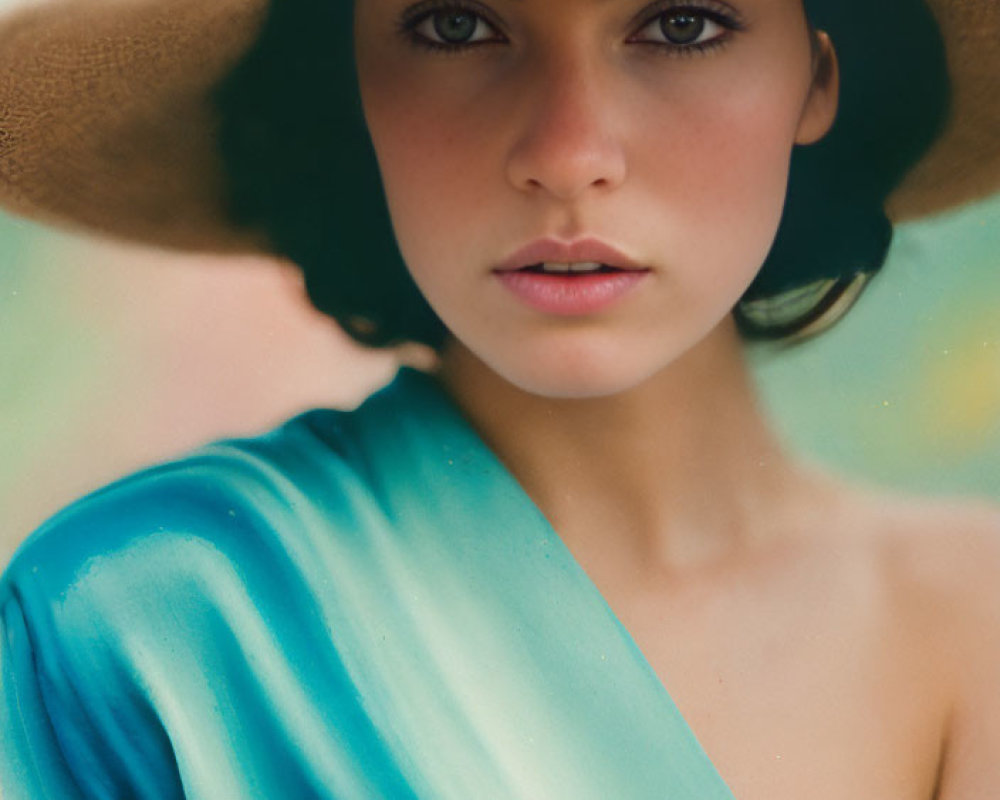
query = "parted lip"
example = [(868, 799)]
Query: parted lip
[(554, 251)]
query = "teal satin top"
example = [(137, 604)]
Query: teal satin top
[(355, 605)]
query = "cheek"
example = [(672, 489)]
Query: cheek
[(434, 167), (716, 165)]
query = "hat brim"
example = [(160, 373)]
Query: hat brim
[(106, 121)]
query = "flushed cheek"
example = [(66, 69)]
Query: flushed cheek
[(715, 165), (440, 186)]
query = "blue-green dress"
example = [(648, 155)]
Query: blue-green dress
[(356, 605)]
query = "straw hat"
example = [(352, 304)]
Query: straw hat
[(106, 122)]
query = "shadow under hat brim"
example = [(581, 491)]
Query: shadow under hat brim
[(963, 164)]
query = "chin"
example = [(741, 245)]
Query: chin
[(587, 362), (578, 372)]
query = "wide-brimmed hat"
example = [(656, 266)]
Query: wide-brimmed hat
[(107, 121)]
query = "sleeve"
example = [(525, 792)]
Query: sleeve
[(104, 612), (74, 719), (32, 763)]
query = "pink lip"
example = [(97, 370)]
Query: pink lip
[(552, 250), (568, 295)]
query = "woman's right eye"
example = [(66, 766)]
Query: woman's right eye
[(448, 27)]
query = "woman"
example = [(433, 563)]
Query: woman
[(485, 581)]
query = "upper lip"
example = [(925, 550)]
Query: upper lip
[(554, 251)]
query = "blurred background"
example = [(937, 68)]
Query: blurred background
[(115, 356)]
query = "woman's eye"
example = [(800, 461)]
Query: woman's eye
[(687, 28), (451, 28)]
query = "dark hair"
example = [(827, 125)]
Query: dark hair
[(302, 167), (894, 99)]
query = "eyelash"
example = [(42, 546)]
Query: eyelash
[(413, 17)]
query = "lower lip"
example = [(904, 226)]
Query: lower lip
[(571, 296)]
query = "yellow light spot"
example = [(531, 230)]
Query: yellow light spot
[(960, 394)]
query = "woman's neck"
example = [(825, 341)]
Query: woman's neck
[(676, 472)]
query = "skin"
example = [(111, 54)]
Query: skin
[(833, 639)]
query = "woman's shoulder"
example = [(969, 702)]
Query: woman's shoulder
[(149, 588), (923, 597), (924, 569), (947, 548), (936, 569), (934, 557), (943, 562), (229, 499), (270, 498)]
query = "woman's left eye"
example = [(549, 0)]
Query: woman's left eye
[(688, 28)]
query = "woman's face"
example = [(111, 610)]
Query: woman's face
[(663, 129)]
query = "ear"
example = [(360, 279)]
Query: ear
[(820, 107)]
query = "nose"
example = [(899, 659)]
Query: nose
[(566, 142)]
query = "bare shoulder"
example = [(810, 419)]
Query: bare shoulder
[(969, 580), (941, 550), (939, 561), (933, 536)]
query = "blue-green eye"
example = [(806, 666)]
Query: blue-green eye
[(455, 27), (686, 27), (449, 26), (690, 28)]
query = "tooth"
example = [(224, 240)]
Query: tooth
[(552, 267), (585, 266)]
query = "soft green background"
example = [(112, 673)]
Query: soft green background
[(905, 391)]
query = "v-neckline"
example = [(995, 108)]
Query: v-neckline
[(461, 430)]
